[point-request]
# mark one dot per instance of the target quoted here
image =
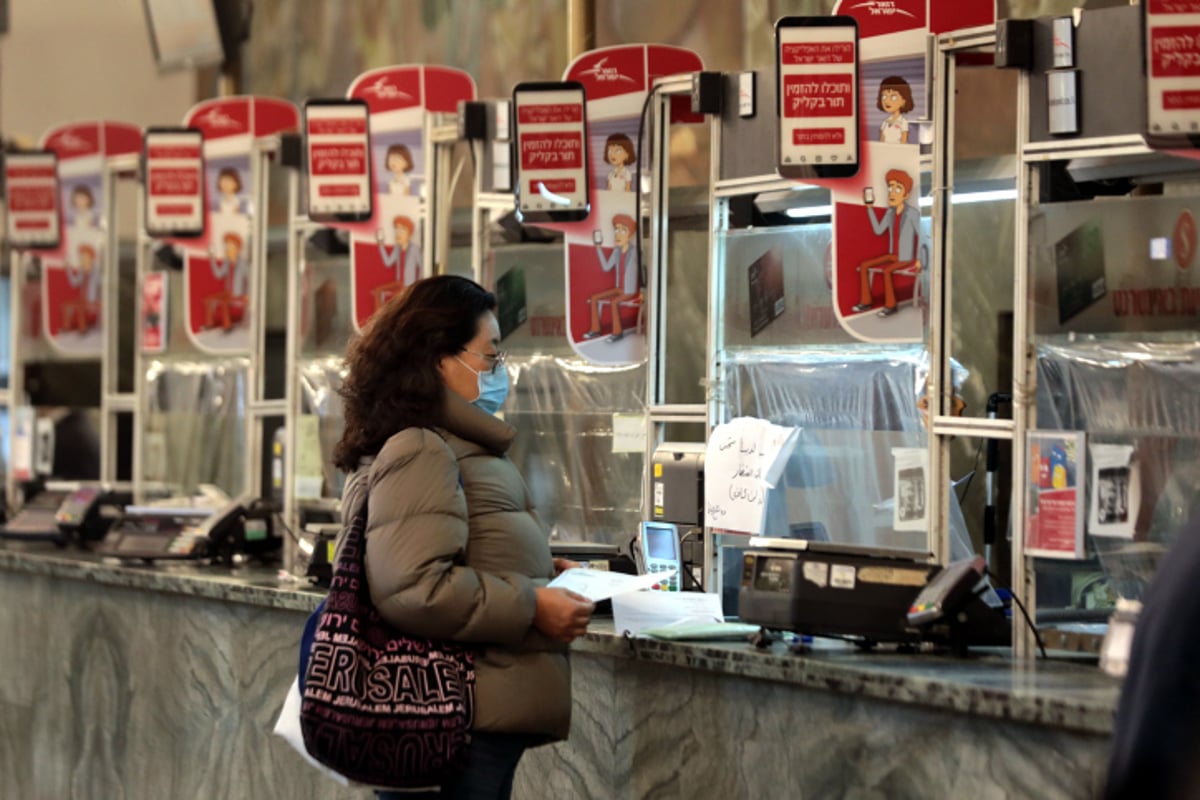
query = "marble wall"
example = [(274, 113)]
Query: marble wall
[(664, 732), (117, 693)]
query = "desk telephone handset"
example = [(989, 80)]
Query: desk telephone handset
[(149, 533)]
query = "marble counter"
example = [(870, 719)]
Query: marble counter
[(190, 663)]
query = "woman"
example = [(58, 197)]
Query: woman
[(619, 153), (399, 162), (454, 547), (895, 99)]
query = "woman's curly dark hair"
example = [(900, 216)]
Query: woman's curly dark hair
[(393, 381)]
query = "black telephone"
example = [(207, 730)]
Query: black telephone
[(149, 533), (88, 512)]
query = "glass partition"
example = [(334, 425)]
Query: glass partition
[(1115, 297)]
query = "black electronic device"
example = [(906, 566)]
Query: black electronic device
[(337, 155), (947, 591), (871, 595), (324, 551), (153, 533), (36, 521), (551, 152), (87, 513), (173, 179), (825, 589), (595, 555), (816, 97)]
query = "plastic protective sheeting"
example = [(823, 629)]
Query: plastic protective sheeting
[(854, 406), (1143, 394), (563, 411), (195, 430), (320, 381)]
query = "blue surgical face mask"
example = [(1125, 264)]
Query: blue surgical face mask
[(493, 387)]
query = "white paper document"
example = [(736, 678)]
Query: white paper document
[(743, 461), (597, 585), (640, 611)]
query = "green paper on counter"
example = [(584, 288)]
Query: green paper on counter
[(703, 631)]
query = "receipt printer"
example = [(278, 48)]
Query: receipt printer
[(678, 483)]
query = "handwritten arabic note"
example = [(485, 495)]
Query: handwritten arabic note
[(744, 460)]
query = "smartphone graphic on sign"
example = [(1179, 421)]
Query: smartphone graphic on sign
[(816, 88), (173, 175), (551, 152), (337, 152), (31, 180)]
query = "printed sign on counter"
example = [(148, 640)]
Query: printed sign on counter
[(1056, 476), (1172, 52), (742, 463), (1116, 491), (32, 181), (174, 164)]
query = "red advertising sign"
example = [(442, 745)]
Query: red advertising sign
[(818, 76), (339, 165), (174, 184), (550, 145), (1172, 50), (154, 312), (32, 180), (815, 95), (1174, 6), (387, 244), (1175, 51)]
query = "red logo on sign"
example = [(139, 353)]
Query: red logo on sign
[(383, 90), (75, 141), (1183, 240), (611, 72), (218, 119)]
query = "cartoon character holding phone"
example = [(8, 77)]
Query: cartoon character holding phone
[(901, 224)]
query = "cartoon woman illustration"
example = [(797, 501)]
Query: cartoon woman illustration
[(399, 162), (229, 185), (82, 312), (618, 151), (230, 303), (404, 257), (895, 100), (627, 286), (85, 208)]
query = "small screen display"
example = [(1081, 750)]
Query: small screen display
[(818, 95), (174, 167), (339, 170), (660, 543), (551, 149), (32, 180)]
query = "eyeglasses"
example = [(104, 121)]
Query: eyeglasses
[(495, 359)]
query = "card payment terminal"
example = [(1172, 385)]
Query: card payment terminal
[(660, 553)]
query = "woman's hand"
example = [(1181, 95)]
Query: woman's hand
[(561, 615), (561, 565)]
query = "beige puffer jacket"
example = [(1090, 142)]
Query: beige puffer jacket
[(446, 561)]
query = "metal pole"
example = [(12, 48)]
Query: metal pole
[(1024, 372), (937, 501), (295, 272), (16, 377)]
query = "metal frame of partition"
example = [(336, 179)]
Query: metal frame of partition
[(113, 402), (258, 406), (441, 136), (943, 426)]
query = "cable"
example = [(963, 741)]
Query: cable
[(637, 189), (1036, 634), (974, 469)]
